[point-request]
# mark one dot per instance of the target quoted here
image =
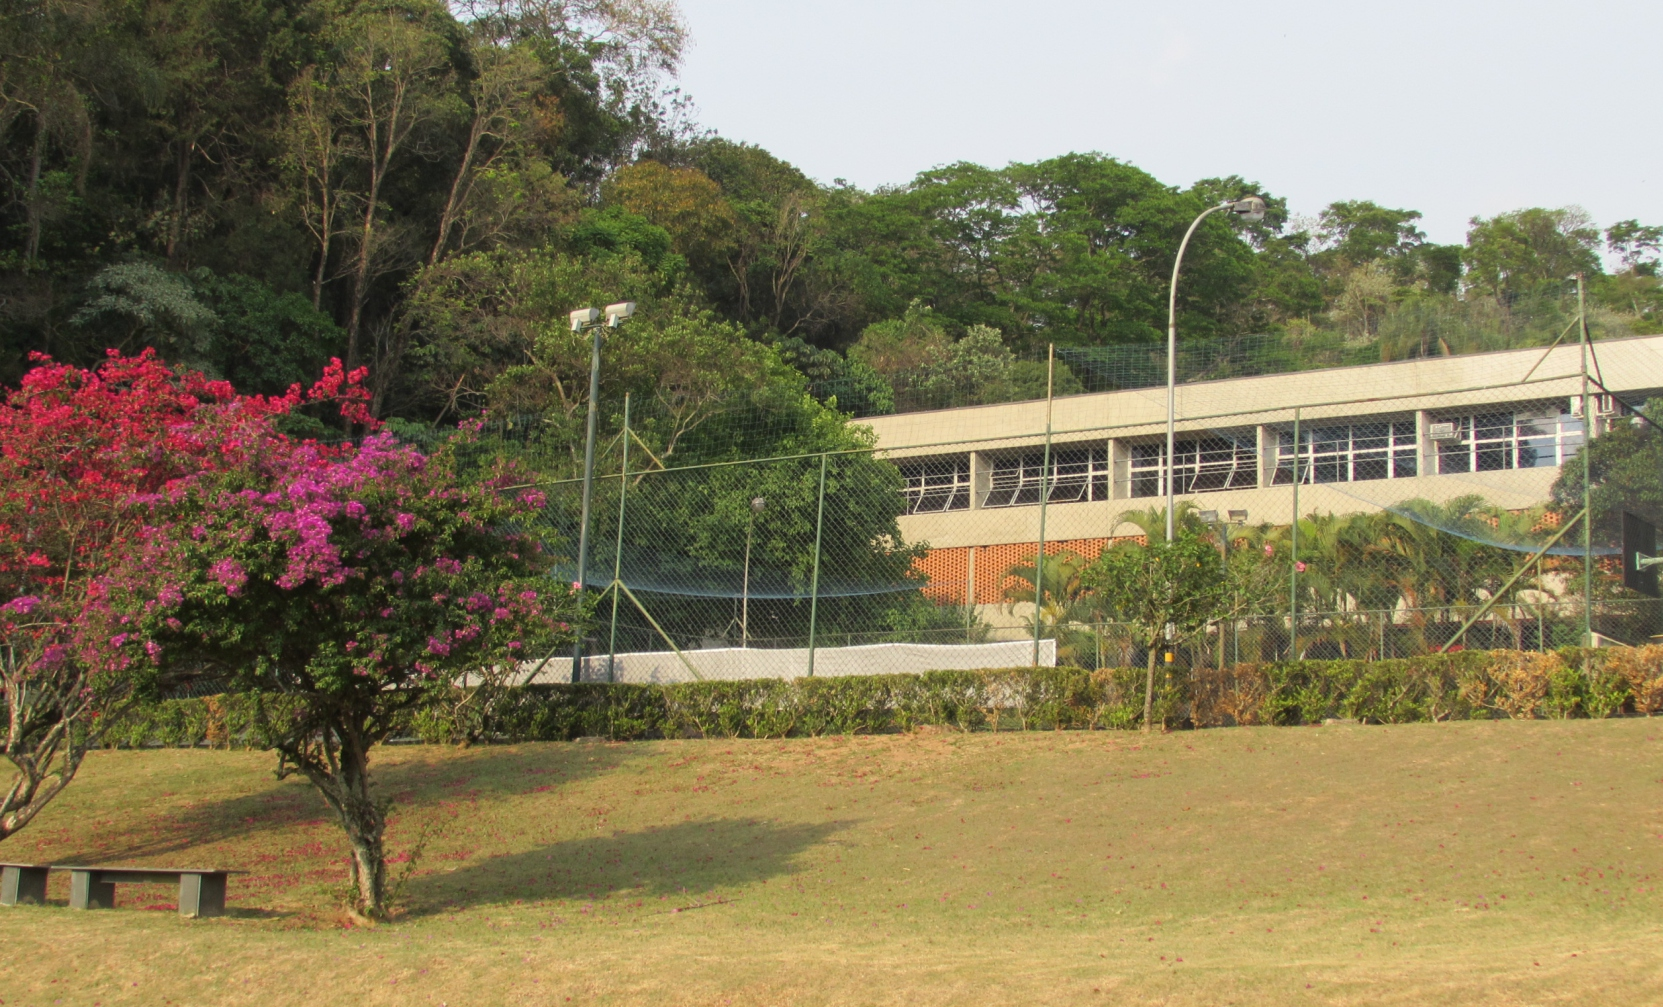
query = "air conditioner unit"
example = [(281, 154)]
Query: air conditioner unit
[(1604, 405), (1443, 431)]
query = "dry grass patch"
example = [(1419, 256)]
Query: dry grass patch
[(1441, 863)]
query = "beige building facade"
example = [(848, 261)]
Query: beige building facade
[(1496, 425)]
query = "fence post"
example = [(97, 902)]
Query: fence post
[(1293, 558), (814, 586), (1587, 472), (1541, 622), (618, 553), (1044, 495)]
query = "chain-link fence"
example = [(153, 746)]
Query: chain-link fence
[(1439, 502)]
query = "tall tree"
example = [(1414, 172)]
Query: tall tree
[(1518, 252), (392, 71)]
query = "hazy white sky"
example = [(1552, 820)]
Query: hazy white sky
[(1450, 107)]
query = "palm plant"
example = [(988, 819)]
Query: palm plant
[(1062, 603)]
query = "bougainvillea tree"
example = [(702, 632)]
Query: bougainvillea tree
[(352, 585), (79, 451), (77, 447)]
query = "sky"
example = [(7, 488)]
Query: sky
[(1453, 108)]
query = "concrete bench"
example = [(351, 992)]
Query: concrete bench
[(201, 892), (23, 884)]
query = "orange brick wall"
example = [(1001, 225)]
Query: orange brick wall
[(948, 569)]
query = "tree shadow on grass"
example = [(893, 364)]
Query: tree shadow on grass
[(138, 839), (681, 861), (425, 779)]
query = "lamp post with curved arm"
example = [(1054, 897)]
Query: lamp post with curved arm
[(1248, 208)]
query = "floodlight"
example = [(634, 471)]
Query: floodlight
[(584, 317), (1238, 517), (616, 313), (759, 503), (1249, 208), (1209, 517)]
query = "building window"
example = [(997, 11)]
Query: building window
[(1349, 453), (1200, 466), (936, 484), (1077, 474), (1527, 437)]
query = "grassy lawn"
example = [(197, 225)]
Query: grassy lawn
[(1466, 863)]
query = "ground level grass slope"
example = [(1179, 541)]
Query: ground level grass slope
[(1457, 863)]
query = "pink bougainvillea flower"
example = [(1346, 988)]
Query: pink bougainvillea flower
[(23, 605), (230, 575)]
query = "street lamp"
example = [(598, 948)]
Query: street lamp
[(758, 504), (590, 318), (1250, 209)]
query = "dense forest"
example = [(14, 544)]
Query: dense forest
[(255, 186)]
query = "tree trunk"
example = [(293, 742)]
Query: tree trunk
[(360, 284), (318, 274), (35, 786), (31, 202), (1149, 689), (50, 727), (181, 200), (368, 868), (461, 186), (344, 782)]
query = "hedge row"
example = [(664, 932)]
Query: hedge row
[(1462, 686)]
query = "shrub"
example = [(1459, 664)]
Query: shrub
[(1228, 696), (1520, 682), (1434, 687), (1640, 669)]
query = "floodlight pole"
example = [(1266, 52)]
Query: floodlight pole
[(1248, 208), (589, 318)]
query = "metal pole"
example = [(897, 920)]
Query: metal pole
[(1172, 363), (1587, 474), (814, 588), (1044, 493), (618, 552), (745, 587), (1541, 622), (1293, 560), (588, 492)]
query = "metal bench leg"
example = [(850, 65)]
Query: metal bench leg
[(22, 886), (87, 892), (201, 895)]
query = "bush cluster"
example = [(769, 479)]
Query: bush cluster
[(1462, 686)]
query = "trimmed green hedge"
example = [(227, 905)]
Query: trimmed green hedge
[(1462, 686)]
